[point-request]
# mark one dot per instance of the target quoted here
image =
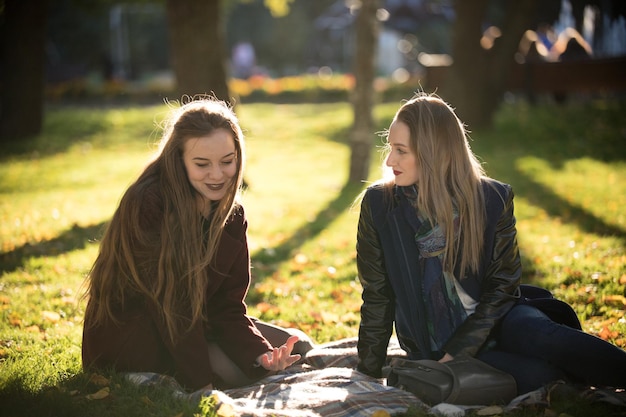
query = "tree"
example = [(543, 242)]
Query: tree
[(22, 61), (196, 47), (477, 78), (367, 28)]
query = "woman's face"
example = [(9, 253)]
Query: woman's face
[(401, 159), (211, 163)]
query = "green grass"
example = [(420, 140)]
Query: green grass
[(567, 165)]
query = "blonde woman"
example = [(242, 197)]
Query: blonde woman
[(437, 256), (166, 292)]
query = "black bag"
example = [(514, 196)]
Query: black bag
[(463, 380)]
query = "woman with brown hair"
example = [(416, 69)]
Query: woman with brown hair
[(166, 292)]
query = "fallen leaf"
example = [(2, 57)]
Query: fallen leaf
[(225, 410), (15, 320), (221, 408), (381, 413), (328, 317), (99, 380), (99, 395), (33, 329), (51, 316), (301, 259), (615, 299), (263, 307), (490, 411), (337, 295), (606, 334)]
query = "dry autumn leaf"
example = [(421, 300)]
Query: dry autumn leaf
[(99, 395), (222, 409), (301, 258), (225, 410), (492, 410), (33, 329), (99, 380), (329, 317), (619, 300), (15, 320), (51, 316), (607, 334), (337, 296)]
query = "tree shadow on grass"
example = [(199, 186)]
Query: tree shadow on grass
[(556, 135), (557, 207), (69, 398), (343, 201), (74, 238)]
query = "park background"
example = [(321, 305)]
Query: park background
[(105, 80)]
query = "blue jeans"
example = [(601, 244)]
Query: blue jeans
[(536, 351)]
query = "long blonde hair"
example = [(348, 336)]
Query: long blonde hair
[(180, 278), (449, 177)]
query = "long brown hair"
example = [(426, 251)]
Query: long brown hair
[(449, 177), (184, 252)]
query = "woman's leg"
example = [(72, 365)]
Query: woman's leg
[(527, 331), (230, 374), (529, 373)]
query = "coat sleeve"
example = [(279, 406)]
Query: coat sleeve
[(227, 320), (378, 307), (500, 280)]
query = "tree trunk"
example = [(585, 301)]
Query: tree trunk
[(22, 68), (197, 48), (367, 29), (466, 74), (477, 77)]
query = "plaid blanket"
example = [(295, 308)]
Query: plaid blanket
[(324, 384)]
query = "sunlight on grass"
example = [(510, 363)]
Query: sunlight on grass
[(595, 187), (39, 199), (579, 250), (58, 191)]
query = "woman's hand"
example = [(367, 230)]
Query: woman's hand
[(279, 358)]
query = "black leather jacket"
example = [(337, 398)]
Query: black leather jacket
[(387, 265)]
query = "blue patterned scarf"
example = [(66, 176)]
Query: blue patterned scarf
[(444, 308)]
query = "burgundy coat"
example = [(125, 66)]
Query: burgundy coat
[(141, 342)]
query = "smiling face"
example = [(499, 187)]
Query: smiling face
[(401, 159), (211, 164)]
